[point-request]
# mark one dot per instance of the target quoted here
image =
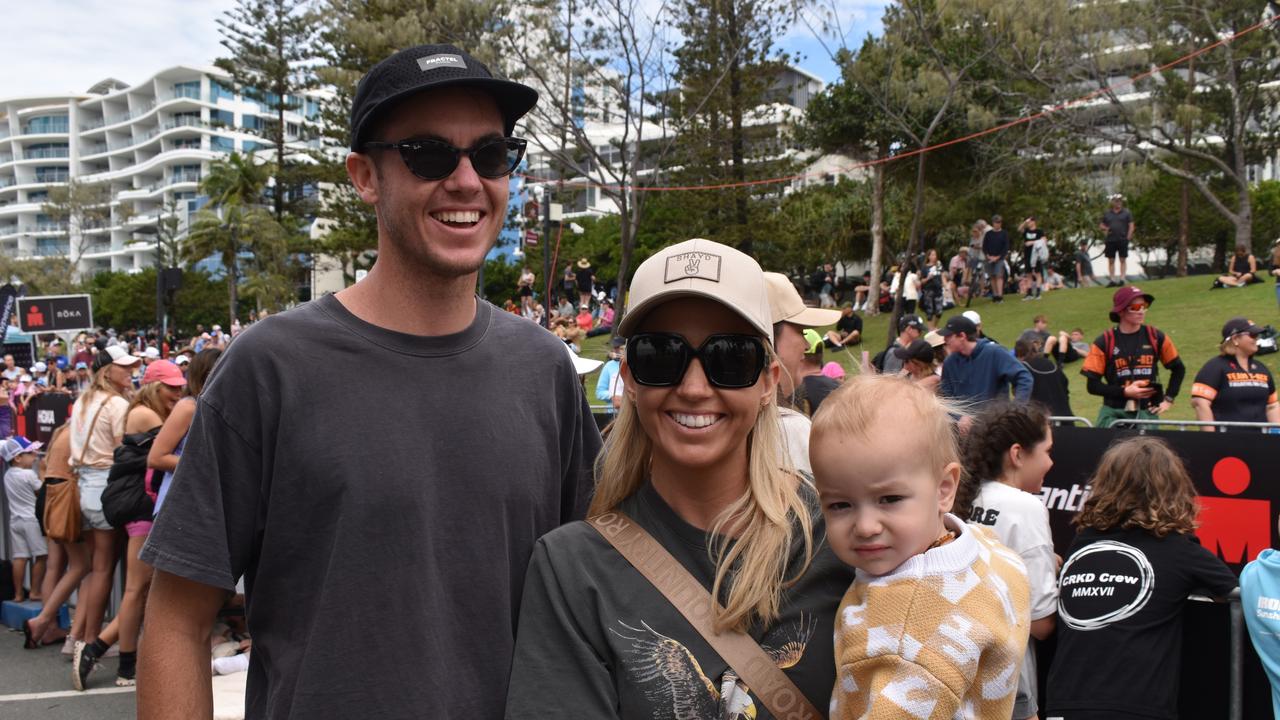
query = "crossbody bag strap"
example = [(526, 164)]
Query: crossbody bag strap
[(89, 433), (756, 669)]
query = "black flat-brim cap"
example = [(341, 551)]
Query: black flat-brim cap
[(428, 67)]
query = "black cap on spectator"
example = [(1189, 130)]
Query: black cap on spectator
[(959, 324), (918, 350), (426, 67), (907, 321), (1237, 325)]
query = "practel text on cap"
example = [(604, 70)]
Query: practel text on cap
[(432, 62)]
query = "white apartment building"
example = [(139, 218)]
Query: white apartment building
[(151, 143), (786, 100)]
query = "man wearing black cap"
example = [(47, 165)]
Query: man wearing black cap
[(1121, 364), (1233, 387), (383, 547), (910, 328), (977, 370)]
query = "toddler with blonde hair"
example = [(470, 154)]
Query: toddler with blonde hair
[(936, 621)]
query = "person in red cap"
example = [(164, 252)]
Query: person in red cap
[(1121, 364)]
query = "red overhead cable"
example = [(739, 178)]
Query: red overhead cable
[(919, 151)]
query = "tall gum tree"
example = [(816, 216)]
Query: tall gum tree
[(1205, 122)]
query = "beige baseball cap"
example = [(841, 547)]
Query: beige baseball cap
[(699, 268), (785, 304)]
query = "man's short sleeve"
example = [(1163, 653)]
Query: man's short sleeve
[(1096, 361), (1168, 353), (207, 528)]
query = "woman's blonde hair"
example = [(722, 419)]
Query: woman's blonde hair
[(101, 383), (1141, 483), (869, 402), (763, 518), (149, 396)]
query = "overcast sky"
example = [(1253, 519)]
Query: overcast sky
[(65, 46)]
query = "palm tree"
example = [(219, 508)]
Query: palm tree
[(236, 221), (237, 179)]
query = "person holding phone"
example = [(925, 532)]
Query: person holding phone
[(1121, 364)]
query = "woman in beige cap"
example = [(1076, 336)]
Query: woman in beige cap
[(695, 460)]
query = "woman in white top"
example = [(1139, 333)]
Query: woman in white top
[(97, 428), (1006, 458)]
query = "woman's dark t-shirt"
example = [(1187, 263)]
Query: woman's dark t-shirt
[(598, 640)]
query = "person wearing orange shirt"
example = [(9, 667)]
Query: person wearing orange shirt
[(1121, 364)]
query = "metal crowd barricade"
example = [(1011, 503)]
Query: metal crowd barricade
[(1069, 419), (1144, 425), (1235, 694)]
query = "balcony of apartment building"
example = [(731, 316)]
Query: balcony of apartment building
[(44, 151), (41, 125), (43, 175)]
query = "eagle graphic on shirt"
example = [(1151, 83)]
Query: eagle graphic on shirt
[(673, 680)]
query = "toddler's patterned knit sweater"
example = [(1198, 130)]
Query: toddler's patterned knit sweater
[(942, 636)]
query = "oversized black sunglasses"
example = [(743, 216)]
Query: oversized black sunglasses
[(729, 361), (436, 159)]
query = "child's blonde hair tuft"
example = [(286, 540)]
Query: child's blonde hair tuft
[(868, 405)]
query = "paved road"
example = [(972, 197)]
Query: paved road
[(36, 685)]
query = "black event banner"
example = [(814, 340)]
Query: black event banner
[(44, 414), (1234, 474)]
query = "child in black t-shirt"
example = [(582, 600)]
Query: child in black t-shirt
[(1124, 585)]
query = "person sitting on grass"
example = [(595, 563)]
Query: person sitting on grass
[(848, 330), (1242, 269)]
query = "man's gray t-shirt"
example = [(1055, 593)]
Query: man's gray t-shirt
[(381, 494), (1117, 224)]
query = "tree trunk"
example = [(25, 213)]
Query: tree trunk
[(232, 291), (629, 217), (1184, 226), (1244, 222), (737, 139), (1184, 211), (877, 237), (912, 245)]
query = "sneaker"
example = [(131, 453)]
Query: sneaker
[(1027, 298), (69, 646), (83, 663), (128, 679)]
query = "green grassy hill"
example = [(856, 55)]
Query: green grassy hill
[(1184, 308)]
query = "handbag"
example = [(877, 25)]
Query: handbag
[(125, 498), (62, 510), (756, 669), (62, 520)]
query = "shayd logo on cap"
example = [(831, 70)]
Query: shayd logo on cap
[(693, 264), (432, 62)]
